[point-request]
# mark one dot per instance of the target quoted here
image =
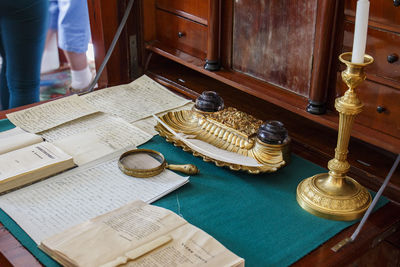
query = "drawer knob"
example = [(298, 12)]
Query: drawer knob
[(396, 3), (380, 109), (392, 58), (181, 34)]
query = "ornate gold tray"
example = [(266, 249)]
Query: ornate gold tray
[(231, 132)]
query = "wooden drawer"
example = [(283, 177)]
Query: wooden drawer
[(181, 33), (374, 95), (380, 11), (196, 10), (380, 44)]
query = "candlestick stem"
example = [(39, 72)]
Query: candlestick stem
[(334, 195)]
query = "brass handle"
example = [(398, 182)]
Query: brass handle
[(181, 34), (380, 109), (185, 168), (392, 57), (396, 3)]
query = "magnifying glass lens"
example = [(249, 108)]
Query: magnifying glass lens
[(142, 160)]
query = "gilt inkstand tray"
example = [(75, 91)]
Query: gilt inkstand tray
[(226, 136)]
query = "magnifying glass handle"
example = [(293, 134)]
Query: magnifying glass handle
[(185, 168)]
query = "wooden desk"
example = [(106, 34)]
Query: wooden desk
[(382, 226)]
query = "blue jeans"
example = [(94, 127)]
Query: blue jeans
[(70, 18), (23, 25)]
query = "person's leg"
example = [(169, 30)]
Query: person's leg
[(4, 94), (53, 21), (74, 36), (23, 36), (77, 61)]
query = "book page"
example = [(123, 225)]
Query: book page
[(141, 235), (51, 114), (29, 158), (117, 232), (17, 138), (137, 100), (101, 140), (62, 201)]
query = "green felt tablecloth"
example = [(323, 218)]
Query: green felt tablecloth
[(255, 216)]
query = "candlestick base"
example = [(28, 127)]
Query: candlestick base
[(321, 196)]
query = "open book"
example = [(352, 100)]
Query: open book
[(31, 163), (17, 138), (138, 234)]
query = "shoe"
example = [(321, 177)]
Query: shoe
[(73, 91)]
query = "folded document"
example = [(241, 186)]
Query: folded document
[(138, 234)]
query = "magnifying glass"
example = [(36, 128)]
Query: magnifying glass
[(145, 163)]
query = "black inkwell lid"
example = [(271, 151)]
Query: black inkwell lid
[(209, 101), (272, 132)]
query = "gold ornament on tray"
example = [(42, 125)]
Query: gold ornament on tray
[(230, 135), (334, 195)]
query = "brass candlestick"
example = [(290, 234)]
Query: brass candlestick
[(334, 195)]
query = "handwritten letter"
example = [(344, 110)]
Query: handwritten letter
[(102, 139), (51, 114), (137, 100)]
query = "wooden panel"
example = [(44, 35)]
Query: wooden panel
[(380, 44), (381, 12), (213, 31), (110, 16), (194, 39), (273, 41), (96, 28), (384, 254), (374, 95), (149, 20), (196, 10), (226, 35), (324, 255), (325, 31)]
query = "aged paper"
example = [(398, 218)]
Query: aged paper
[(53, 205), (17, 138), (137, 100), (139, 235), (101, 140), (122, 230), (190, 246), (77, 126), (94, 136), (51, 114), (147, 124)]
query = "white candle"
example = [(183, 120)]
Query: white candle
[(360, 31)]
